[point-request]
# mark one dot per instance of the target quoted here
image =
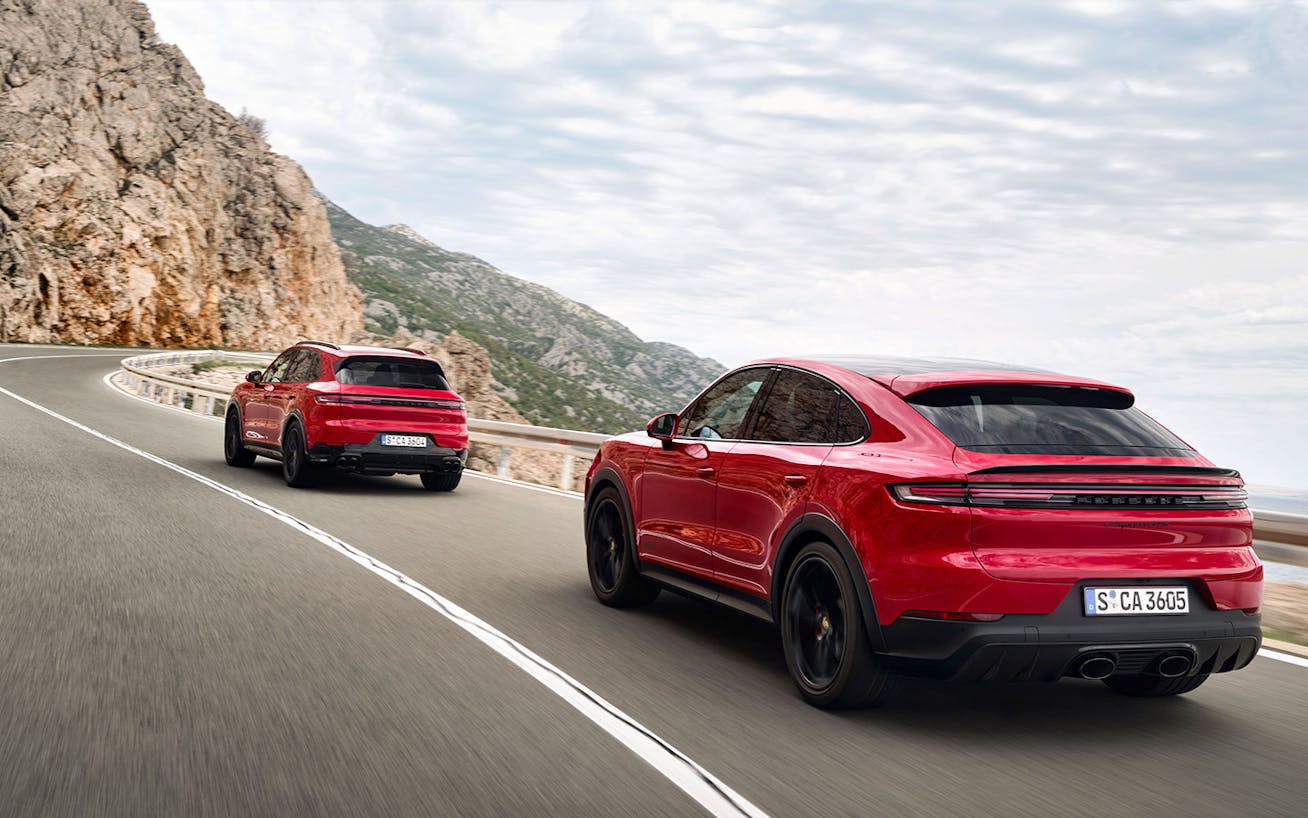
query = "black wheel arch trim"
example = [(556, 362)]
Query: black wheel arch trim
[(608, 474), (813, 526)]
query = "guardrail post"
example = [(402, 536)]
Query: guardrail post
[(502, 468), (565, 476), (206, 405)]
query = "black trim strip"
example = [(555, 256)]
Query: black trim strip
[(1205, 471), (675, 580)]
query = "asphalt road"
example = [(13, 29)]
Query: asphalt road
[(167, 649)]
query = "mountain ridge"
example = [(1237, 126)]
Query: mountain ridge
[(557, 361)]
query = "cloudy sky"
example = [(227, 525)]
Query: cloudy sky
[(1115, 189)]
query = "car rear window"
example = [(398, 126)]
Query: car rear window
[(404, 373), (1028, 419)]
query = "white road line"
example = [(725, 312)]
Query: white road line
[(1283, 657), (691, 778)]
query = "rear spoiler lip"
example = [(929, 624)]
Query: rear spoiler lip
[(1209, 471)]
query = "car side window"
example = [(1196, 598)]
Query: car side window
[(307, 368), (277, 372), (851, 423), (799, 408), (720, 412)]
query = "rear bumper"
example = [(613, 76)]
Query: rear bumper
[(372, 457), (1049, 647)]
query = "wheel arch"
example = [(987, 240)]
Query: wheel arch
[(811, 527), (608, 476), (297, 417)]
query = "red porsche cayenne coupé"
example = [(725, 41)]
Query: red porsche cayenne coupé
[(947, 518)]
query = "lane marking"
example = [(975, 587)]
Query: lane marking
[(111, 381), (1283, 657), (697, 782)]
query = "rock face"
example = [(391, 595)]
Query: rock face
[(135, 211)]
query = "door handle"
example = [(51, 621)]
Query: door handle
[(795, 479), (706, 471)]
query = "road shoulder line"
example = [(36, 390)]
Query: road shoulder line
[(707, 790)]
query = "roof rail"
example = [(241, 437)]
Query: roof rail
[(317, 344), (410, 349)]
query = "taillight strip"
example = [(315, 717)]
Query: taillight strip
[(379, 400), (1096, 496)]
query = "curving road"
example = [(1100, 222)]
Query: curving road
[(172, 646)]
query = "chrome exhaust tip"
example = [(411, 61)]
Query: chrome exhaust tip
[(1174, 665), (1097, 667)]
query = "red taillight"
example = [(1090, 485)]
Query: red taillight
[(1066, 495), (382, 400), (943, 494), (956, 616)]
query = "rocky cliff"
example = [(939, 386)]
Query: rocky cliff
[(135, 211)]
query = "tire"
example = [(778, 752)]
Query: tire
[(295, 459), (824, 637), (444, 481), (234, 451), (611, 555), (1152, 686)]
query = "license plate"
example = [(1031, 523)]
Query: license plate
[(404, 440), (1138, 601)]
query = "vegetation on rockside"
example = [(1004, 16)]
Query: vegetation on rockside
[(557, 362)]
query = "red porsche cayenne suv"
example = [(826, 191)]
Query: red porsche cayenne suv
[(372, 410), (947, 518)]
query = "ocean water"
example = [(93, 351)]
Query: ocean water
[(1281, 572), (1272, 498)]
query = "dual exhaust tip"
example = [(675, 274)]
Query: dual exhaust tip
[(1101, 666)]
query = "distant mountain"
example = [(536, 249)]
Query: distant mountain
[(558, 362)]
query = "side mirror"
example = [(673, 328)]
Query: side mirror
[(254, 376), (662, 428)]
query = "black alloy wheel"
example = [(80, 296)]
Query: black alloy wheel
[(295, 460), (818, 622), (234, 451), (823, 635), (610, 559)]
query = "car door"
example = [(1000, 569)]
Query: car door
[(282, 397), (679, 482), (764, 481), (256, 418)]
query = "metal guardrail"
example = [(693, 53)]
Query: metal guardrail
[(140, 375)]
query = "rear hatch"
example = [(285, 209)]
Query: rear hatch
[(378, 394), (1071, 482)]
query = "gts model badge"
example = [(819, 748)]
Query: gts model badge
[(1136, 525)]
